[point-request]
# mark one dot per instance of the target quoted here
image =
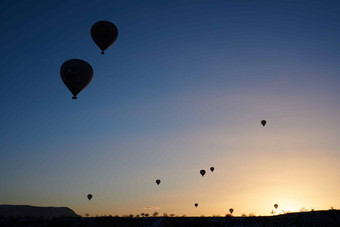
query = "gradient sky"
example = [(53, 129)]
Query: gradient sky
[(183, 88)]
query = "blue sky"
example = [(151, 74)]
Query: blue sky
[(184, 87)]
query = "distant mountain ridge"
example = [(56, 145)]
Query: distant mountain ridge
[(35, 211)]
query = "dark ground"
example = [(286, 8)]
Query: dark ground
[(313, 218)]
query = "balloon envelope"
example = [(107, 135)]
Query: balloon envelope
[(276, 206), (158, 182), (89, 196), (196, 204), (231, 210), (104, 34), (263, 122), (202, 172), (76, 75), (212, 169)]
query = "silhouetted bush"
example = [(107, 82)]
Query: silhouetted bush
[(251, 214)]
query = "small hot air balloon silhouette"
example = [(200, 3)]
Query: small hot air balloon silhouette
[(158, 181), (76, 75), (231, 210), (276, 206), (263, 122), (104, 34), (202, 172), (212, 169), (89, 196), (196, 204)]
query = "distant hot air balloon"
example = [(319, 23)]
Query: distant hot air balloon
[(231, 210), (202, 172), (196, 204), (89, 196), (76, 75), (276, 206), (212, 169), (158, 181), (104, 34), (263, 122)]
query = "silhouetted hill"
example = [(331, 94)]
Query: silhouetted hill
[(33, 211), (316, 218)]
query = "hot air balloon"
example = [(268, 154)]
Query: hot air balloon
[(89, 196), (196, 204), (263, 122), (231, 210), (104, 34), (202, 172), (76, 75), (212, 169), (158, 181), (276, 206)]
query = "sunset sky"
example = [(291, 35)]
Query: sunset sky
[(183, 88)]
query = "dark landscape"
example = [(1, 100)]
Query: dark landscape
[(52, 216)]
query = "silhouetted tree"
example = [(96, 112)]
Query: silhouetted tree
[(303, 209), (155, 214)]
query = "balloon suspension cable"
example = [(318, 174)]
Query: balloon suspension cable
[(74, 97), (102, 52)]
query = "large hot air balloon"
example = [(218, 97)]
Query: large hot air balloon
[(76, 75), (231, 210), (212, 169), (158, 181), (196, 204), (263, 122), (202, 172), (276, 206), (89, 196), (104, 34)]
